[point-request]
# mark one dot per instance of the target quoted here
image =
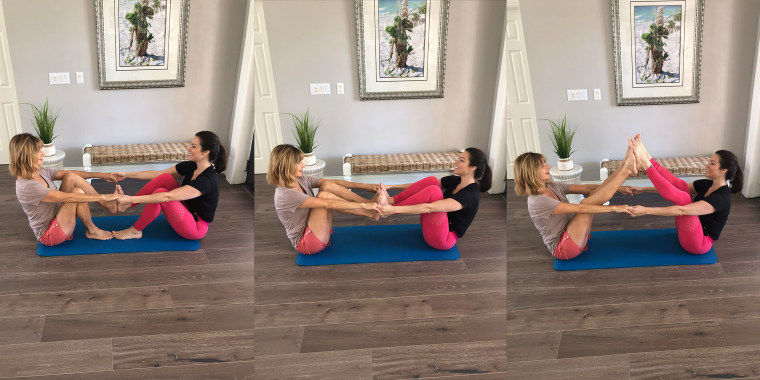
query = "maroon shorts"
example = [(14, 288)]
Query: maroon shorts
[(310, 243), (567, 249), (54, 235)]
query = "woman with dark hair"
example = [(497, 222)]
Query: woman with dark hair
[(700, 221), (189, 207), (446, 206)]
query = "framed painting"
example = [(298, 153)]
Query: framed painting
[(401, 48), (657, 49), (141, 43)]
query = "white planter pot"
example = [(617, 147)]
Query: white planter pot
[(565, 164), (48, 149), (309, 159)]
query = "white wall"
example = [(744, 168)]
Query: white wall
[(315, 41), (569, 46), (57, 36)]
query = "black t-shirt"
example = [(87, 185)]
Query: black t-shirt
[(720, 199), (468, 197), (203, 206)]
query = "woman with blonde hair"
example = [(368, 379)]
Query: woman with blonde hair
[(52, 213), (307, 218), (566, 227)]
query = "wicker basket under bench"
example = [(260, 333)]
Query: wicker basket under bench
[(145, 155), (399, 163), (679, 166)]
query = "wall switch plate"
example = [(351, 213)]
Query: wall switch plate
[(320, 88), (59, 78), (597, 94), (339, 88), (80, 77), (573, 95)]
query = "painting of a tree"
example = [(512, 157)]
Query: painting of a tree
[(660, 44), (142, 31), (402, 23)]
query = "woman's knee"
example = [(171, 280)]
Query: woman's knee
[(160, 190), (434, 191), (324, 194), (78, 190)]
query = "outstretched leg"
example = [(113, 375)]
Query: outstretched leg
[(414, 188), (579, 227), (689, 227), (343, 193)]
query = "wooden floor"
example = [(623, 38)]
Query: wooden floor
[(675, 322), (157, 315), (440, 319)]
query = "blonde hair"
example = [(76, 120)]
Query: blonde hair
[(23, 151), (527, 177), (282, 163)]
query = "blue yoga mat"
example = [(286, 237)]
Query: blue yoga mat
[(158, 236), (634, 248), (377, 244)]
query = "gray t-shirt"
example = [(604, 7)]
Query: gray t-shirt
[(30, 194), (541, 207), (286, 202)]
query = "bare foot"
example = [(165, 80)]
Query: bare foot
[(98, 234), (373, 214), (129, 233), (642, 155), (122, 206), (629, 161), (382, 196)]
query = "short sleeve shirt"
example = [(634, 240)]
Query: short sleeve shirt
[(540, 208), (468, 197), (30, 194), (287, 201), (204, 206), (720, 199)]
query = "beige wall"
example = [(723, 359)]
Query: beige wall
[(569, 46), (315, 41), (57, 36)]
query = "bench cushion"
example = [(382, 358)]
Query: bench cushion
[(401, 162), (680, 166), (136, 153)]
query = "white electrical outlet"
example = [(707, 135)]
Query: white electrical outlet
[(320, 88), (597, 94), (59, 78), (80, 77), (573, 95), (339, 88)]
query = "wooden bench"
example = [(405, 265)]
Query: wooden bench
[(163, 154), (399, 163), (679, 166)]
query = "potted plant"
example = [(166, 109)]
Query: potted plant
[(44, 126), (304, 130), (562, 140)]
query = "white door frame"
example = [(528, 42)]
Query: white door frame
[(497, 147), (522, 131), (241, 131), (10, 121), (751, 150)]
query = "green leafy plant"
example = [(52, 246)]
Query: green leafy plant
[(44, 122), (139, 29), (562, 137), (304, 130)]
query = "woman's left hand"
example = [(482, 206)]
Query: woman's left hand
[(637, 210)]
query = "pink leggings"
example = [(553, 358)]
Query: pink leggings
[(435, 225), (177, 214), (689, 227)]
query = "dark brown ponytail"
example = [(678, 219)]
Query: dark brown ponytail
[(217, 154), (482, 171)]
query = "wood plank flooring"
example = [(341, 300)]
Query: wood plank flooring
[(676, 322), (155, 315), (443, 319)]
